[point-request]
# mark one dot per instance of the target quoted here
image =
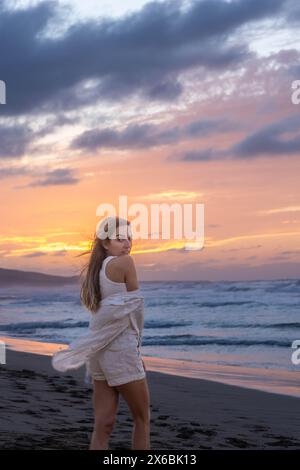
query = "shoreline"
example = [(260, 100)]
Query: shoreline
[(276, 381), (45, 409)]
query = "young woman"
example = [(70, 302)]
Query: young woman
[(117, 369)]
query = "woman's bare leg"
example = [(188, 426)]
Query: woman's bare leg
[(105, 402), (136, 394)]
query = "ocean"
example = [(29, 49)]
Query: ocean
[(249, 323)]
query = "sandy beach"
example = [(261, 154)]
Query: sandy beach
[(43, 409)]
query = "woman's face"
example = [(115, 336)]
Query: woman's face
[(121, 244)]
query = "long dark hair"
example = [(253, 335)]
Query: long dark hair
[(90, 292)]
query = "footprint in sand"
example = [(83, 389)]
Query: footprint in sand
[(163, 417), (240, 443)]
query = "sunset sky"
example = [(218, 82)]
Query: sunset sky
[(165, 101)]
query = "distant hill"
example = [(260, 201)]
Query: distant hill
[(9, 277)]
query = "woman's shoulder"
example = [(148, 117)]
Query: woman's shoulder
[(124, 264), (125, 260)]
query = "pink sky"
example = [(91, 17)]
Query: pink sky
[(229, 139)]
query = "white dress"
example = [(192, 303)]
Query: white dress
[(111, 348)]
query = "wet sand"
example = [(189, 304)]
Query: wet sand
[(44, 409)]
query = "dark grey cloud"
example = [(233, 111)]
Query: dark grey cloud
[(6, 172), (143, 52), (148, 135), (193, 156), (55, 123), (134, 136), (167, 90), (293, 12), (18, 139), (60, 176), (14, 140), (271, 141), (203, 127)]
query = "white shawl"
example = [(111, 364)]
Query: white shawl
[(113, 316)]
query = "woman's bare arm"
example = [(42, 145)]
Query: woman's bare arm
[(130, 274), (130, 278)]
